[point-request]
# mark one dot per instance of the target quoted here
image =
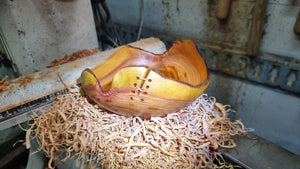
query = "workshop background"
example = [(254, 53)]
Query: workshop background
[(253, 54)]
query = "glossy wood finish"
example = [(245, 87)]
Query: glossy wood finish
[(139, 83)]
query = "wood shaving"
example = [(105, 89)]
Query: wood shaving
[(189, 138), (3, 80), (4, 85), (77, 55), (7, 86)]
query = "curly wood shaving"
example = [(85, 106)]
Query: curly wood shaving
[(74, 128)]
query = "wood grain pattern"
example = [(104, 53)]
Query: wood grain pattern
[(139, 83)]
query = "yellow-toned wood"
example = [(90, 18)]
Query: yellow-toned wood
[(139, 83), (126, 77), (89, 79)]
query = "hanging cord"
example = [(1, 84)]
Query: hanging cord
[(9, 59), (116, 32), (101, 23), (106, 9), (105, 22), (141, 20)]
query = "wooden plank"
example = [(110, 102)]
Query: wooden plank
[(256, 27)]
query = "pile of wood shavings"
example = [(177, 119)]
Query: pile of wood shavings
[(73, 127), (74, 56), (6, 86)]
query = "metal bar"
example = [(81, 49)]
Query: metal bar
[(10, 156)]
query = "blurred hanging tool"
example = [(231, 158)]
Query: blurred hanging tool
[(223, 9), (257, 25), (297, 25), (102, 22)]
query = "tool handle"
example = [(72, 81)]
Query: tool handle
[(223, 9), (297, 25)]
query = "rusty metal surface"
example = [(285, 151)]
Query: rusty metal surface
[(30, 93)]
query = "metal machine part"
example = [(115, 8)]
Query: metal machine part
[(257, 152)]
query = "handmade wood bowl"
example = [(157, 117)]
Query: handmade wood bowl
[(135, 82)]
